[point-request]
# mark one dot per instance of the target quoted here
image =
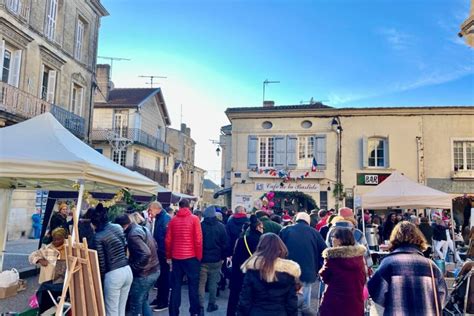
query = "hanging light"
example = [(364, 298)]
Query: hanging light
[(218, 151)]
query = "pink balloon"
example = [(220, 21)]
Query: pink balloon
[(271, 204), (270, 195)]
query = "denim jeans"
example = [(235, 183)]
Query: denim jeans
[(209, 272), (138, 298), (189, 267), (307, 293), (163, 282), (116, 288)]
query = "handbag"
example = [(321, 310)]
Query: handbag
[(434, 287)]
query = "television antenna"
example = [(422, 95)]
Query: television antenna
[(151, 79), (111, 59), (265, 83)]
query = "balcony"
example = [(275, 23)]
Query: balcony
[(135, 135), (17, 105), (189, 189), (160, 177)]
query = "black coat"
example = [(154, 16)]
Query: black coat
[(143, 250), (305, 246), (234, 230), (58, 220), (214, 240), (277, 298), (110, 245), (439, 232), (427, 231)]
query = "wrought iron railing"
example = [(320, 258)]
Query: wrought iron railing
[(135, 135), (160, 177), (24, 106)]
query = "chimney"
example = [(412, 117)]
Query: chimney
[(188, 131), (103, 83), (268, 104), (183, 128)]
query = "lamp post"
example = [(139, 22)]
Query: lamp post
[(337, 127)]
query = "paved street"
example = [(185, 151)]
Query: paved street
[(17, 252)]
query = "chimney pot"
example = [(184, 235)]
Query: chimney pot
[(268, 104)]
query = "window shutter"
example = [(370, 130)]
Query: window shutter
[(2, 56), (252, 152), (320, 151), (364, 162), (79, 40), (386, 153), (291, 151), (14, 78), (40, 90), (51, 86), (279, 151), (80, 101)]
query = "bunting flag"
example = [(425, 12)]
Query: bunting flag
[(314, 165)]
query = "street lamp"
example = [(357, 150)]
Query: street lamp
[(338, 190), (219, 145)]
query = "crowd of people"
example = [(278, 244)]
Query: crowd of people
[(271, 264)]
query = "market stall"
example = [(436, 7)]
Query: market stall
[(166, 198)]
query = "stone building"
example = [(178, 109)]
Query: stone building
[(129, 127), (467, 27), (48, 51), (335, 155)]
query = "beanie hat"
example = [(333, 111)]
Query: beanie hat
[(286, 218), (209, 212), (346, 212), (303, 216)]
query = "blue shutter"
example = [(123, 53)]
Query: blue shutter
[(320, 151), (279, 151), (291, 147), (365, 159), (386, 153), (252, 152)]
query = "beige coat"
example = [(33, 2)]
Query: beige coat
[(51, 254)]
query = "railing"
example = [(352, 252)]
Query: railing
[(160, 177), (24, 106), (136, 135)]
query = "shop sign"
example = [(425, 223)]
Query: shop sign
[(371, 178), (288, 186)]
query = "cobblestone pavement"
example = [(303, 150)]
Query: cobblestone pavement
[(17, 252)]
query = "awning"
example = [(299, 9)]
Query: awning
[(222, 192), (169, 197)]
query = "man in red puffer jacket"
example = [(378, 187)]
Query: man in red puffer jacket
[(183, 246)]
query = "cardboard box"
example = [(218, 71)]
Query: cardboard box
[(8, 291)]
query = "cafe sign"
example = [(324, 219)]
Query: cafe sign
[(371, 178), (288, 186)]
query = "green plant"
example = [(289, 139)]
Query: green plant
[(338, 191)]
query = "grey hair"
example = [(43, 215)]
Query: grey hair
[(155, 204), (239, 209)]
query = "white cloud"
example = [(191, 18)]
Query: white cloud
[(397, 39)]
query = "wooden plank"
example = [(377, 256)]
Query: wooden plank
[(78, 282), (94, 260), (89, 282)]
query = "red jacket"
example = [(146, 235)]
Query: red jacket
[(322, 222), (184, 236)]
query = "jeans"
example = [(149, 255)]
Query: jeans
[(116, 287), (307, 293), (163, 282), (211, 272), (138, 298), (190, 268)]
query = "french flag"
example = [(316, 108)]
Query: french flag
[(314, 165)]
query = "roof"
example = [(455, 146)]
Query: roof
[(210, 185), (279, 108), (132, 98)]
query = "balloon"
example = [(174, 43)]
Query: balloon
[(271, 204), (265, 201), (270, 195), (258, 204)]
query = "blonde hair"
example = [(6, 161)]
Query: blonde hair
[(137, 218), (406, 233)]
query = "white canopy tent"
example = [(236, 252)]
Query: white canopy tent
[(398, 191), (41, 153)]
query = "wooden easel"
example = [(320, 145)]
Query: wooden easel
[(83, 280)]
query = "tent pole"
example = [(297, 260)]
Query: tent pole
[(363, 221), (453, 223), (77, 212), (5, 205)]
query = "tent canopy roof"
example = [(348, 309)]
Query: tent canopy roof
[(398, 191), (40, 152)]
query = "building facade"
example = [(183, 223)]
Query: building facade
[(467, 27), (48, 51), (298, 148), (129, 127)]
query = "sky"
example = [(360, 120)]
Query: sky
[(345, 53)]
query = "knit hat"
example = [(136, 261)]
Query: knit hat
[(286, 218), (303, 216), (346, 212), (209, 212)]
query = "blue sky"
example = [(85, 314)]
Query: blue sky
[(349, 53)]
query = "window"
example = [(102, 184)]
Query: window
[(266, 155), (463, 152), (11, 64), (305, 147), (80, 30), (13, 6), (120, 156), (158, 164), (136, 158), (76, 99), (51, 19), (377, 152), (48, 83), (121, 123)]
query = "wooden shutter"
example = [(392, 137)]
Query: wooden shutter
[(2, 56), (80, 102), (79, 40), (40, 90), (386, 153), (279, 151), (15, 67), (51, 19), (320, 151), (252, 152), (51, 86), (364, 162), (291, 151)]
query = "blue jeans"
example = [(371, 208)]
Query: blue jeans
[(307, 293), (138, 298), (189, 267), (116, 287)]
